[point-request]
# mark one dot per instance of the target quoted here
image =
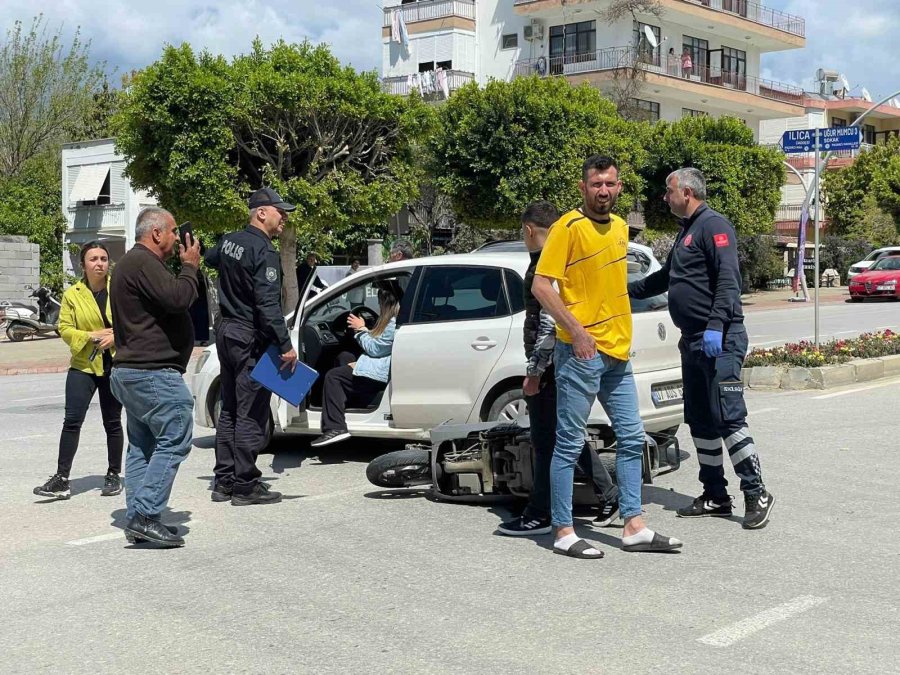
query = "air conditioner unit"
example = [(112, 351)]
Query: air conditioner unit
[(534, 31)]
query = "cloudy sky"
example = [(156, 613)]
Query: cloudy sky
[(858, 38)]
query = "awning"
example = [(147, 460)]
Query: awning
[(88, 182)]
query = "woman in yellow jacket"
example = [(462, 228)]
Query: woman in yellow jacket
[(85, 324)]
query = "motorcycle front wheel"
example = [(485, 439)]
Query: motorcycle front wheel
[(16, 332), (402, 468)]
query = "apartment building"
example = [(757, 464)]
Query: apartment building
[(699, 57), (98, 200), (831, 106)]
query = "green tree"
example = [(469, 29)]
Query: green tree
[(30, 206), (743, 179), (874, 175), (201, 132), (510, 143), (45, 90)]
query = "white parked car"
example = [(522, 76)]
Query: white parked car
[(458, 353), (864, 264)]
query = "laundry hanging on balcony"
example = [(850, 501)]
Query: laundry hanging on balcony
[(399, 33)]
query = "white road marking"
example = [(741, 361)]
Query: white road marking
[(727, 636), (762, 410), (854, 391), (118, 534), (36, 398), (22, 438)]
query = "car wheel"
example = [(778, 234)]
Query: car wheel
[(507, 407), (217, 410)]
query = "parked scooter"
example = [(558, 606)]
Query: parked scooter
[(41, 322), (493, 462)]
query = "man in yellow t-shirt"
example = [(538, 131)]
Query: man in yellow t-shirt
[(585, 254)]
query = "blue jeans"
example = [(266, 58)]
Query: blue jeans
[(577, 383), (159, 409)]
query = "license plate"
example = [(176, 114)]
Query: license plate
[(667, 394)]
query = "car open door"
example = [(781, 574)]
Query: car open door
[(451, 337)]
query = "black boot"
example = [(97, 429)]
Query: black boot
[(153, 531)]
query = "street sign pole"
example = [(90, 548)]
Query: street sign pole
[(816, 240)]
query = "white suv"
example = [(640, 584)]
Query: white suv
[(869, 260), (458, 354)]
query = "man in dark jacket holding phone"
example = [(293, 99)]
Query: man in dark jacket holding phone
[(252, 320)]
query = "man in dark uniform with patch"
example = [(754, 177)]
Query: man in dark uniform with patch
[(252, 320), (703, 278)]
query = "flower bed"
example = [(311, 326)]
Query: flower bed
[(804, 354)]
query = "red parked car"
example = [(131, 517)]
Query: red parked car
[(881, 280)]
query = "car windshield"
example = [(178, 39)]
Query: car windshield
[(891, 263)]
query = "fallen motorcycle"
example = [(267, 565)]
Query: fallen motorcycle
[(21, 325), (494, 462)]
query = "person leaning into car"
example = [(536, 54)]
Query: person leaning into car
[(703, 278), (250, 303)]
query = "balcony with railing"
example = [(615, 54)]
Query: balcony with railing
[(627, 58), (751, 11), (403, 84), (431, 9), (100, 218), (807, 160)]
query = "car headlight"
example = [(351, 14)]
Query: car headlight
[(856, 270), (204, 357)]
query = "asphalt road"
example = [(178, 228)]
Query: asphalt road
[(345, 578), (796, 322)]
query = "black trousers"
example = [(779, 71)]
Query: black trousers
[(242, 425), (80, 388), (715, 411), (340, 387), (542, 417)]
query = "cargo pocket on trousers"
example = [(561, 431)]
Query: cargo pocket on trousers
[(731, 401)]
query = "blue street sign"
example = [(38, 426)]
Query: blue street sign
[(835, 138)]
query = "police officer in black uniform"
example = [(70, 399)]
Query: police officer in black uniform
[(250, 303), (704, 283)]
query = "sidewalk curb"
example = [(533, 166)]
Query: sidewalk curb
[(37, 370), (825, 377)]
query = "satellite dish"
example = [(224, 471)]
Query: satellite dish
[(866, 95), (651, 38), (845, 83), (895, 102)]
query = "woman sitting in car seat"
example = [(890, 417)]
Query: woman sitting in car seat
[(363, 380)]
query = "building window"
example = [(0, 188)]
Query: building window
[(688, 112), (698, 50), (869, 134), (425, 67), (734, 61), (646, 52), (509, 41), (648, 111), (572, 43), (444, 65), (838, 122)]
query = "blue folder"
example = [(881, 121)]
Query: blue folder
[(291, 386)]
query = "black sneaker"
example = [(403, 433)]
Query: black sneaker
[(703, 507), (525, 526), (112, 485), (757, 509), (222, 491), (131, 539), (329, 437), (152, 531), (57, 488), (260, 494), (609, 513)]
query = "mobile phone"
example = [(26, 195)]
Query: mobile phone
[(183, 230)]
